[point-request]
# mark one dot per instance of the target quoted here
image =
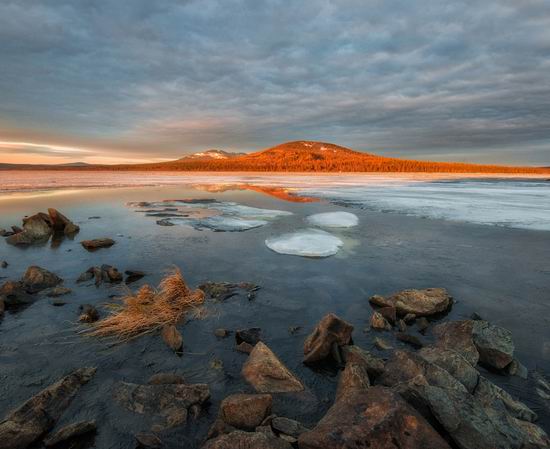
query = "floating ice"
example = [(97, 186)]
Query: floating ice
[(306, 243), (334, 220)]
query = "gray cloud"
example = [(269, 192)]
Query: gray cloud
[(454, 79)]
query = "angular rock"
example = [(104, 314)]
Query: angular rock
[(168, 405), (288, 426), (111, 274), (412, 340), (250, 336), (61, 223), (267, 374), (246, 440), (37, 279), (377, 418), (172, 337), (389, 313), (354, 378), (457, 336), (425, 302), (94, 244), (331, 331), (245, 411), (38, 415), (494, 344), (354, 354), (70, 432), (377, 321), (133, 276)]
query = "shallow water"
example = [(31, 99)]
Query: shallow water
[(502, 273)]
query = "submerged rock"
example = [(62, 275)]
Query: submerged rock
[(246, 440), (166, 379), (245, 411), (225, 290), (38, 415), (70, 432), (133, 276), (94, 244), (57, 291), (172, 338), (267, 374), (250, 336), (14, 294), (88, 314), (330, 331), (306, 243), (333, 220), (425, 302), (376, 418)]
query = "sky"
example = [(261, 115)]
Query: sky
[(112, 81)]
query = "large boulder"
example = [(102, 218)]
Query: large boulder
[(38, 415), (472, 421), (429, 301), (60, 223), (331, 332), (38, 227), (246, 440), (245, 411), (376, 418), (37, 279), (168, 404), (267, 374), (457, 336)]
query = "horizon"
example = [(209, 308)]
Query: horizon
[(117, 83)]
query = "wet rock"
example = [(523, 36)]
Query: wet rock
[(222, 291), (389, 313), (147, 440), (38, 415), (517, 369), (4, 233), (409, 318), (402, 326), (70, 432), (378, 322), (382, 344), (293, 330), (168, 405), (94, 244), (472, 421), (57, 291), (354, 354), (133, 276), (20, 239), (58, 303), (221, 333), (88, 313), (165, 222), (37, 279), (37, 227), (166, 379), (250, 336), (61, 223), (244, 347), (2, 307), (267, 374), (288, 426), (14, 294), (354, 378), (246, 440), (219, 427), (422, 324), (425, 302), (4, 264), (412, 340), (494, 344), (457, 336), (331, 331), (376, 418), (172, 337), (245, 411)]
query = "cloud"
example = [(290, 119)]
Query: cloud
[(159, 79)]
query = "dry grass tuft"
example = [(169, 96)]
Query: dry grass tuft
[(149, 309)]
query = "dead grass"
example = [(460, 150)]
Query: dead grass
[(150, 309)]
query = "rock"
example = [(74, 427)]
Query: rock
[(219, 427), (221, 333), (267, 374), (402, 326), (293, 330), (376, 418), (4, 233), (382, 344), (94, 244), (2, 307), (37, 279), (409, 318), (172, 337), (473, 421), (13, 294), (354, 378), (168, 405), (58, 303), (88, 313), (244, 347), (20, 239), (166, 379), (4, 264), (246, 440), (111, 273), (88, 275), (70, 432), (57, 291), (422, 324), (38, 415), (61, 223), (457, 336), (412, 340), (354, 354), (389, 313), (377, 321), (330, 331), (165, 222), (133, 276), (494, 344), (250, 336), (245, 411), (37, 227), (288, 426), (147, 440), (517, 369), (425, 302)]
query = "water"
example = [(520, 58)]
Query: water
[(500, 272)]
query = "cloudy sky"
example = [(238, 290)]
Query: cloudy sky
[(112, 80)]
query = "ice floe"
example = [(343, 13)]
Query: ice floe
[(333, 220), (306, 243), (220, 216)]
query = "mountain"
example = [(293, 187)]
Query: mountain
[(304, 156), (75, 164)]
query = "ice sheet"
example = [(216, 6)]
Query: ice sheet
[(333, 220), (306, 243)]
